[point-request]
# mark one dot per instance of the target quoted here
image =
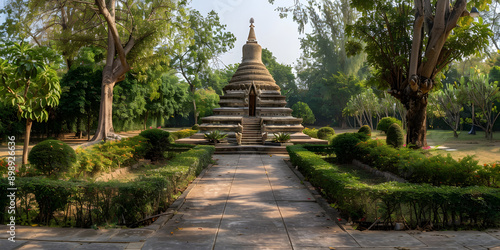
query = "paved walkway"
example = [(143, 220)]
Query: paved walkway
[(248, 202)]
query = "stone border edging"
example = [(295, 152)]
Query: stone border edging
[(174, 207), (388, 176)]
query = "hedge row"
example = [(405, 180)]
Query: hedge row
[(84, 204), (418, 205), (416, 167)]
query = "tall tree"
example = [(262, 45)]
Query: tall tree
[(451, 102), (80, 97), (324, 65), (483, 95), (409, 43), (209, 41), (29, 82), (128, 30)]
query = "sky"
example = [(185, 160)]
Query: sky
[(280, 36)]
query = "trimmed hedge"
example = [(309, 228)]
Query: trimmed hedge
[(312, 132), (325, 133), (184, 133), (52, 157), (386, 122), (366, 130), (418, 205), (437, 170), (344, 145), (85, 204), (395, 136)]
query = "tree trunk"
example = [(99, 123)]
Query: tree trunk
[(416, 120), (105, 122), (27, 134), (79, 127), (88, 125), (146, 119), (194, 104)]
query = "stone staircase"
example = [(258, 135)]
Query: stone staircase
[(251, 134)]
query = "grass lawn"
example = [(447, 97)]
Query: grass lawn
[(486, 151)]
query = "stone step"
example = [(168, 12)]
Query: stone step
[(258, 134), (250, 149)]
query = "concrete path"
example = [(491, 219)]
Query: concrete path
[(248, 202)]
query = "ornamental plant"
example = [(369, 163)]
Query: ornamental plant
[(395, 136), (386, 122), (344, 145), (312, 132), (366, 130), (215, 136), (52, 157), (158, 142), (281, 137), (325, 133)]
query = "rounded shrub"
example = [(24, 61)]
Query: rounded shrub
[(386, 122), (395, 136), (195, 127), (158, 141), (52, 157), (344, 146), (365, 129), (312, 132), (325, 133)]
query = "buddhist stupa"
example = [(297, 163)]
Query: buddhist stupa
[(252, 104)]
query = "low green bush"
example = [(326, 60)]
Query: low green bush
[(85, 204), (312, 132), (366, 130), (195, 127), (386, 122), (415, 166), (105, 157), (52, 157), (158, 141), (395, 136), (183, 133), (418, 205), (325, 133), (344, 145)]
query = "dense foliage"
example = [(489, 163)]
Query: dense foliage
[(386, 122), (158, 141), (344, 145), (86, 204), (366, 130), (52, 157), (416, 204), (325, 133), (395, 136), (302, 110)]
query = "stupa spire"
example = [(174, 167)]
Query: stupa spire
[(251, 34)]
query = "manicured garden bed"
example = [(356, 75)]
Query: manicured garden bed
[(74, 199), (417, 205)]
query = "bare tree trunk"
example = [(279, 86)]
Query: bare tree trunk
[(416, 121), (146, 119), (88, 125), (27, 135), (194, 104), (114, 71)]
